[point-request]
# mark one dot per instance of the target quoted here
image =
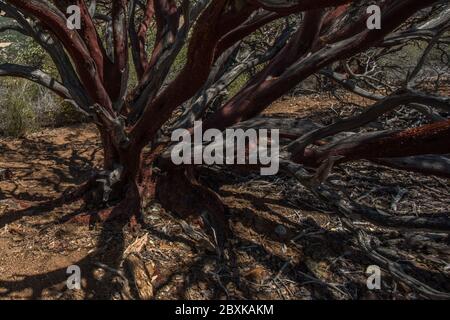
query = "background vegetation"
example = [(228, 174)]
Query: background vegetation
[(24, 106)]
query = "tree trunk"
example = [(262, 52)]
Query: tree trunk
[(129, 182), (122, 184)]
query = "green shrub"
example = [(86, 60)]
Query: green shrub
[(65, 114), (16, 112), (26, 107)]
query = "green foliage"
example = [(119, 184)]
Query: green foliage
[(64, 114), (22, 50), (178, 64), (238, 84), (24, 105), (16, 111)]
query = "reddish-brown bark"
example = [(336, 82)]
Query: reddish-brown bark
[(259, 93), (125, 132), (191, 199), (428, 139), (74, 44), (141, 60)]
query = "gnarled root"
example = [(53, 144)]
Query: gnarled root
[(179, 191), (129, 208)]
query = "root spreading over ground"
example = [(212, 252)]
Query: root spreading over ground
[(285, 242)]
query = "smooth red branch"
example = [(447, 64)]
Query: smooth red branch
[(428, 139)]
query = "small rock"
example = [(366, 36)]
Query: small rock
[(281, 231), (257, 274), (5, 174)]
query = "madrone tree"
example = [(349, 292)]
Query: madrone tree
[(216, 39)]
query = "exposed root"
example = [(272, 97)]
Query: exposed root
[(364, 241), (180, 192), (129, 209), (353, 209), (347, 209), (382, 218), (394, 269), (76, 194)]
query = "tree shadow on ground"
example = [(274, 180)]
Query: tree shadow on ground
[(293, 260), (323, 245)]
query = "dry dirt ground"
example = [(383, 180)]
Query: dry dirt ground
[(285, 244)]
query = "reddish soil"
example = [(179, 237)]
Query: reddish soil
[(284, 243)]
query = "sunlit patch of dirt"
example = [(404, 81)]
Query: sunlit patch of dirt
[(314, 105), (32, 242), (45, 164)]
